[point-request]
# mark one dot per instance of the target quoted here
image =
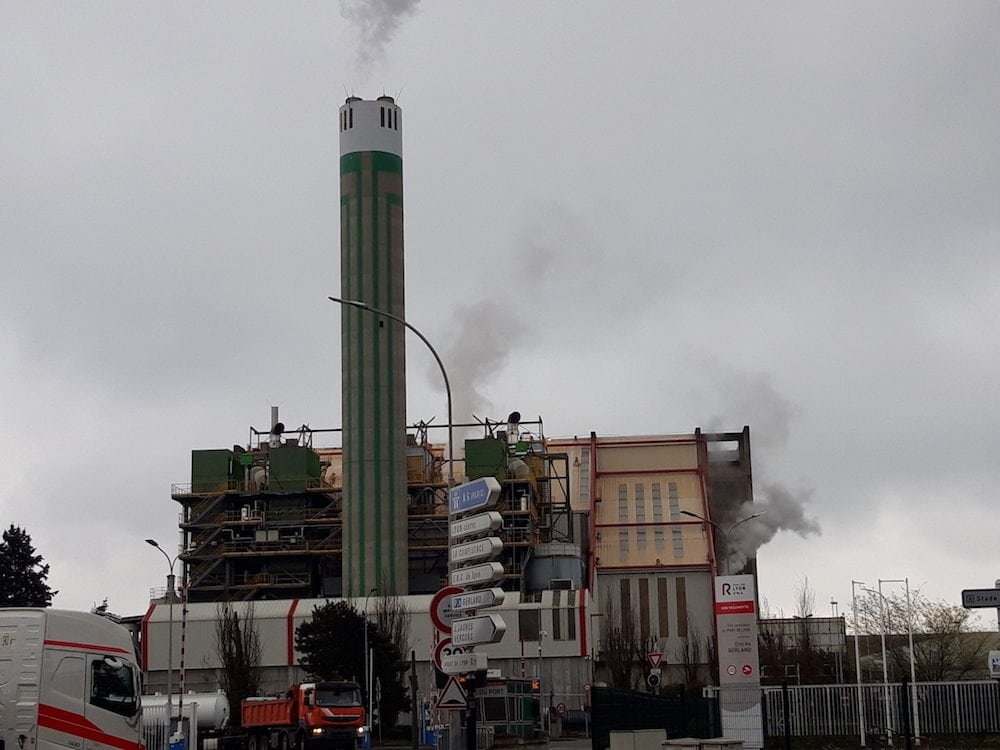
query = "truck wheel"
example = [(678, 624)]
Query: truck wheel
[(300, 741), (283, 741)]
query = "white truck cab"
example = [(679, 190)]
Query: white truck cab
[(67, 680)]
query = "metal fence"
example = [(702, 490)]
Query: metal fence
[(446, 739), (156, 735), (882, 710)]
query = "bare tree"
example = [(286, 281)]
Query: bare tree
[(691, 654), (947, 644), (620, 646), (805, 598), (238, 646), (393, 619)]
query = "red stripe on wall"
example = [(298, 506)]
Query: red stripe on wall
[(145, 637), (291, 632)]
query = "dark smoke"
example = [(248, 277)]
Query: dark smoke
[(783, 510), (752, 398), (375, 22)]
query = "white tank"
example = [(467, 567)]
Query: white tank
[(213, 708)]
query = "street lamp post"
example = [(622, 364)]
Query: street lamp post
[(857, 660), (358, 304), (885, 663), (170, 632), (725, 532), (368, 666), (914, 706), (447, 385)]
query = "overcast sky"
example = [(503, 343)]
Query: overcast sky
[(627, 219)]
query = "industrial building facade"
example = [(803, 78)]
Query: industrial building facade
[(593, 528)]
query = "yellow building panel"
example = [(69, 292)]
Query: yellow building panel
[(648, 498), (637, 457), (644, 547)]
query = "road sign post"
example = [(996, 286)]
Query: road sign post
[(471, 552)]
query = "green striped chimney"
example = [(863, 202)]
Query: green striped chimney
[(373, 396)]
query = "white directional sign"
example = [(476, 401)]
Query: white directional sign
[(475, 495), (459, 663), (478, 525), (479, 549), (477, 575), (972, 598), (472, 564), (477, 599), (480, 629)]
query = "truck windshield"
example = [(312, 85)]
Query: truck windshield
[(345, 696), (112, 686)]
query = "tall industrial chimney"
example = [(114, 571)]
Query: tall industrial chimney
[(373, 397)]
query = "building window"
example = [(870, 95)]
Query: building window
[(657, 503), (682, 608), (659, 540), (350, 117), (623, 503), (623, 544), (529, 623), (640, 504), (625, 595), (571, 616), (675, 506), (556, 615), (662, 610), (644, 608), (640, 539), (678, 537), (382, 110)]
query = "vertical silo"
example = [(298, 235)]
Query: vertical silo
[(373, 397)]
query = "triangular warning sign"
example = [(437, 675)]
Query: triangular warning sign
[(453, 695), (654, 659)]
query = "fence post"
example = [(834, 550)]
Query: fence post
[(787, 718), (907, 712)]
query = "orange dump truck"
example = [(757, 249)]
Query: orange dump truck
[(313, 716)]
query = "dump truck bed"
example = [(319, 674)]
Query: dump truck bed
[(269, 713)]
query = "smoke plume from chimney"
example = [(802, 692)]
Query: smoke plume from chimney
[(375, 22)]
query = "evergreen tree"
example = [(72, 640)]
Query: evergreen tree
[(332, 648), (22, 573)]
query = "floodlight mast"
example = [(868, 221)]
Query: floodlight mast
[(170, 632)]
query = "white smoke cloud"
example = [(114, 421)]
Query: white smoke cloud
[(484, 336), (375, 22)]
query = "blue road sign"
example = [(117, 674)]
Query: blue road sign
[(474, 495)]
